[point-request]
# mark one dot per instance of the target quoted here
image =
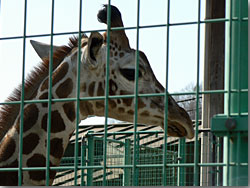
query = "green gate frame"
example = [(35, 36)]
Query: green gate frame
[(233, 125), (235, 164)]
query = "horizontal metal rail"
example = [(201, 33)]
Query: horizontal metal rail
[(122, 166), (126, 28), (120, 96)]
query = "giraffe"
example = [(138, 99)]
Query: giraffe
[(92, 83)]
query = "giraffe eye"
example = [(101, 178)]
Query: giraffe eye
[(129, 74)]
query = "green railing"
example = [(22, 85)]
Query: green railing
[(234, 164)]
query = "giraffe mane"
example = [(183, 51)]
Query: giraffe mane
[(9, 112)]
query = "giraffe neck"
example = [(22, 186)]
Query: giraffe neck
[(8, 113), (63, 121)]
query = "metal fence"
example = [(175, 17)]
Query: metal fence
[(144, 157)]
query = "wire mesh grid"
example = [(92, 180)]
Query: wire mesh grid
[(180, 160), (120, 153), (150, 158)]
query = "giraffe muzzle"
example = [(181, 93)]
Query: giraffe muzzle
[(180, 124)]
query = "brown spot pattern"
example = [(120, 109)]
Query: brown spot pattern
[(145, 113), (29, 119), (38, 160), (44, 85), (131, 112), (111, 53), (112, 103), (153, 105), (65, 88), (57, 123), (7, 148), (99, 104), (83, 87), (86, 108), (89, 108), (58, 75), (159, 117), (121, 110), (126, 101), (119, 101), (91, 89), (30, 116), (112, 87), (45, 96), (100, 90), (121, 54), (141, 104), (30, 142), (69, 110), (56, 147), (9, 178)]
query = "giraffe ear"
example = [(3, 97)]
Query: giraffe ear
[(42, 49), (94, 44)]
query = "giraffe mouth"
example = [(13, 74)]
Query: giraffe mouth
[(179, 122), (176, 130)]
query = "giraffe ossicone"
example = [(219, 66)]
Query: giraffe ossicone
[(92, 83)]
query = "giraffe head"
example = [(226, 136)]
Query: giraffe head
[(122, 63)]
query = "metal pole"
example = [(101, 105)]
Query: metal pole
[(237, 80), (83, 160), (181, 179), (127, 161), (90, 158)]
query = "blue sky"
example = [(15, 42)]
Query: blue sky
[(183, 39)]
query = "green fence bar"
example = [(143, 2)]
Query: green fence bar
[(238, 73), (233, 125), (196, 142), (22, 99), (83, 160), (218, 174), (78, 94), (50, 95), (90, 147), (164, 169), (181, 179), (136, 139), (106, 92), (127, 161)]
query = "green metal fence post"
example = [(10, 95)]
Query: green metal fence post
[(234, 123), (20, 157), (136, 92), (219, 148), (238, 175), (78, 95), (196, 142), (90, 161), (127, 161), (181, 156), (83, 160), (166, 95), (50, 95), (106, 101)]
